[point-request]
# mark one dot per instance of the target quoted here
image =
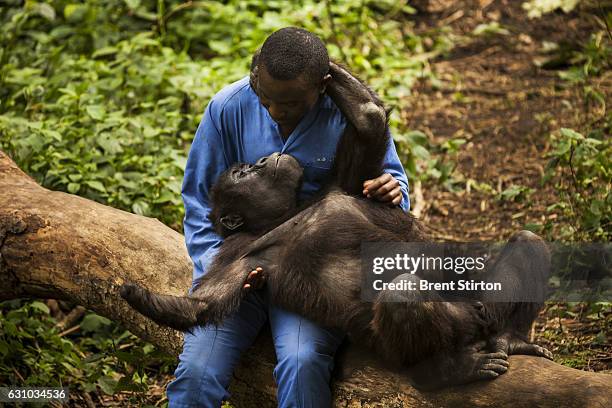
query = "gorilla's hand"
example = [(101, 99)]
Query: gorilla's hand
[(474, 363), (384, 188), (255, 280)]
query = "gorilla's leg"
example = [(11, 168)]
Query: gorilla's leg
[(180, 313), (522, 268), (218, 295), (412, 327)]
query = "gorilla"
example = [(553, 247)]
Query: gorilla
[(311, 256)]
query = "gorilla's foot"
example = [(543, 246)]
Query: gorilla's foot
[(471, 364), (511, 345), (530, 349)]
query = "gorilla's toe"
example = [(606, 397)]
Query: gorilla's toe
[(535, 350)]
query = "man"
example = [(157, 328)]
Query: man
[(281, 107)]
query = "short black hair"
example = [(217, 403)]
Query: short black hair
[(292, 52)]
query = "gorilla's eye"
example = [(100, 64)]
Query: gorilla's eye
[(242, 171)]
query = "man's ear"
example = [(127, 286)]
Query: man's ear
[(255, 60), (325, 82), (232, 221), (254, 71), (253, 79)]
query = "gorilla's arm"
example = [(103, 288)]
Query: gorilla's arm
[(357, 102), (362, 148)]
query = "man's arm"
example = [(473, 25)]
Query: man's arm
[(385, 188), (206, 161)]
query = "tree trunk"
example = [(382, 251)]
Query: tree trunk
[(57, 245)]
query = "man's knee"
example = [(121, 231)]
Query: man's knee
[(191, 370), (307, 360), (197, 384)]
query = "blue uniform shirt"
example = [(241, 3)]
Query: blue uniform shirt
[(237, 128)]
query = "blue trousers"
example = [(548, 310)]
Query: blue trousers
[(304, 353)]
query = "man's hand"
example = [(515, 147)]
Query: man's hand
[(255, 280), (384, 188)]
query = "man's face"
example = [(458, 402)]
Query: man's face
[(287, 101)]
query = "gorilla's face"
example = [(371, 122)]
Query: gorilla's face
[(248, 197)]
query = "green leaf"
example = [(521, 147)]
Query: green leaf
[(75, 12), (4, 348), (164, 197), (132, 4), (534, 227), (96, 185), (222, 47), (104, 51), (418, 137), (40, 306), (93, 358), (420, 152), (93, 322), (97, 112), (107, 384), (127, 384), (141, 208), (109, 144), (45, 10), (515, 193), (572, 134), (601, 338), (490, 29), (53, 133), (73, 188), (127, 356)]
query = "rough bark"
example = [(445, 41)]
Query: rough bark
[(57, 245)]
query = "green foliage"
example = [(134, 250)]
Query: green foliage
[(590, 60), (515, 193), (581, 344), (442, 168), (582, 168), (415, 152), (490, 29), (99, 356), (537, 8), (580, 160), (102, 99)]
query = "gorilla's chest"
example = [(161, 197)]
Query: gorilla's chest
[(333, 227), (334, 224)]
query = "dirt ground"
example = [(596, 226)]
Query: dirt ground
[(495, 97)]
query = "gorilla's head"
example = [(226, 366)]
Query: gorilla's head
[(251, 197)]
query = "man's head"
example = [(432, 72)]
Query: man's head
[(290, 73)]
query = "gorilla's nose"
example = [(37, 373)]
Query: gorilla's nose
[(261, 161)]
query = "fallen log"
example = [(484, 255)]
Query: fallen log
[(57, 245)]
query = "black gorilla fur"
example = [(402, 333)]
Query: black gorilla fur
[(311, 258)]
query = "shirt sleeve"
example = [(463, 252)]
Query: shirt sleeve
[(393, 166), (206, 161)]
